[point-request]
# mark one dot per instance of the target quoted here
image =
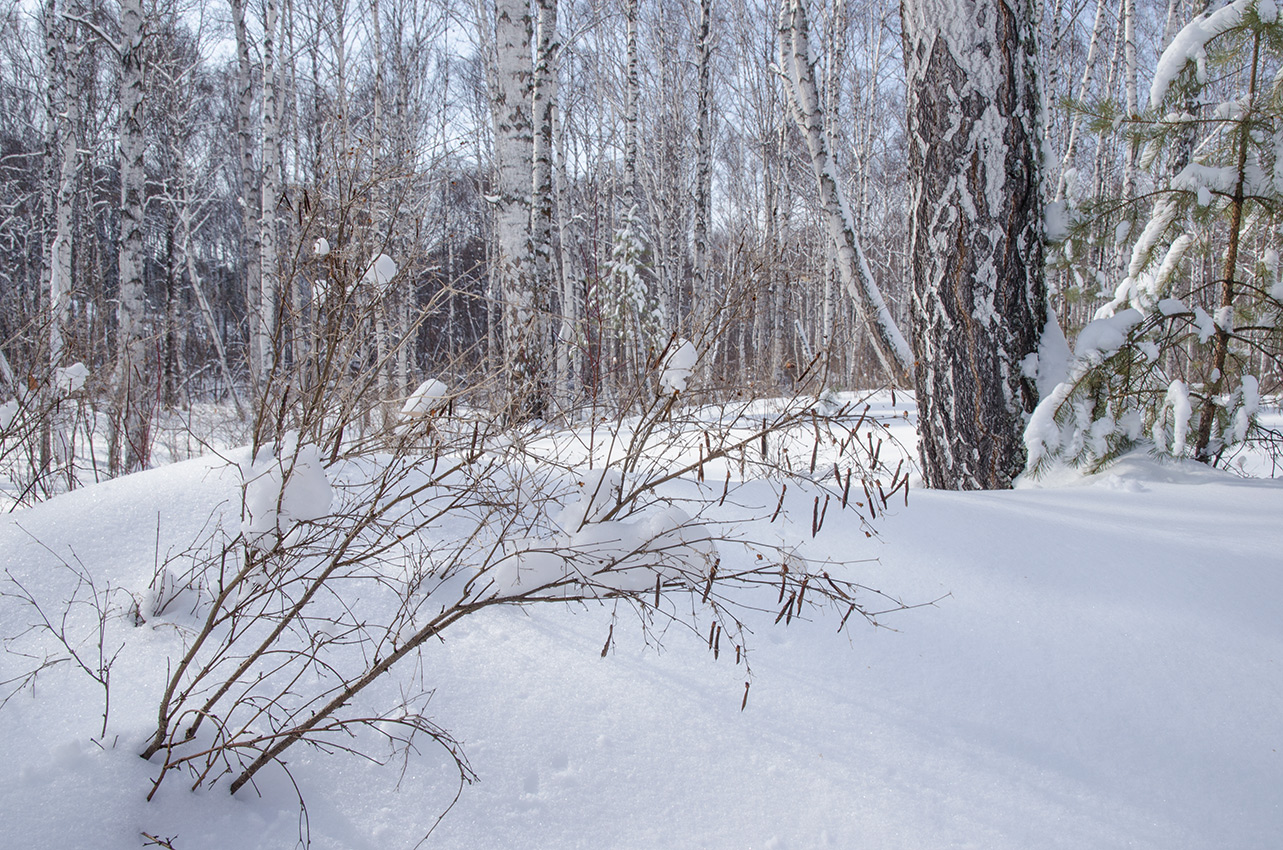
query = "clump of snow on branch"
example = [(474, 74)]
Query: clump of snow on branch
[(1190, 45), (1106, 335), (428, 398), (282, 490), (380, 272), (1249, 404), (678, 367), (8, 413), (1177, 400), (70, 379), (595, 494), (1050, 364)]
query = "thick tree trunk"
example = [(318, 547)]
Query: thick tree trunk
[(975, 234)]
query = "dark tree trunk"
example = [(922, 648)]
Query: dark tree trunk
[(979, 296)]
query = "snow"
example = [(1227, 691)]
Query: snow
[(69, 379), (1106, 335), (380, 272), (1248, 407), (1101, 668), (282, 490), (1190, 45), (1178, 401), (1196, 177), (1205, 324), (427, 398), (679, 367), (1052, 361), (1121, 231), (596, 493), (1225, 319), (1056, 221), (321, 247)]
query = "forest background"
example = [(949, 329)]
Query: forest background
[(301, 194)]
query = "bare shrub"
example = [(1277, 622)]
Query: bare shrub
[(352, 553)]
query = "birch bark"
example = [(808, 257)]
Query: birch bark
[(701, 286), (130, 443), (64, 102), (268, 336), (543, 200), (249, 201), (521, 317)]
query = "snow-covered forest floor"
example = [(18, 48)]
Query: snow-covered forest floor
[(1102, 667)]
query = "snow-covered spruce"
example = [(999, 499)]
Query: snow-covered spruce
[(1172, 360)]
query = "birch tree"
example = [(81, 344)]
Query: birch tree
[(64, 118), (543, 269), (268, 330), (135, 369), (250, 206), (524, 308), (701, 287), (979, 300), (795, 56)]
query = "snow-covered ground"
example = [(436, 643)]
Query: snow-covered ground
[(1104, 668)]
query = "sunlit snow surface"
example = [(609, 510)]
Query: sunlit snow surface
[(1103, 670)]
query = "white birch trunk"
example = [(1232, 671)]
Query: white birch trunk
[(632, 88), (1130, 95), (64, 100), (889, 344), (513, 140), (249, 199), (131, 437), (543, 201), (1075, 126), (701, 285), (269, 333)]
